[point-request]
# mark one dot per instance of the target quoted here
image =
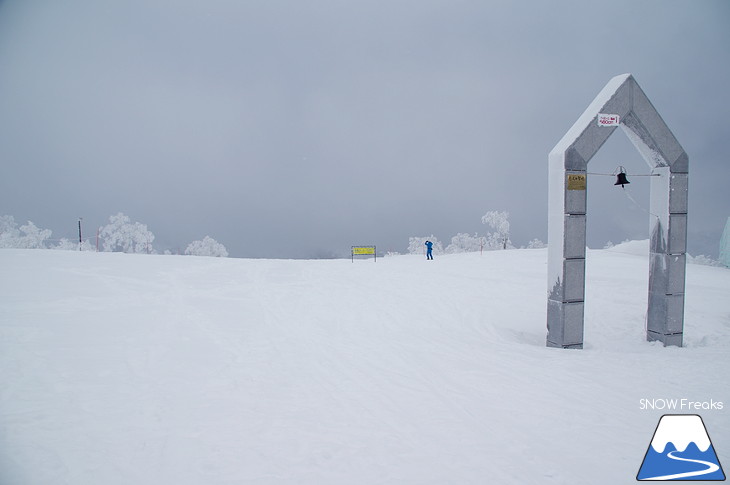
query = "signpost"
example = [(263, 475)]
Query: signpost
[(363, 250)]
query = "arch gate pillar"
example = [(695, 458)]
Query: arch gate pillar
[(620, 103)]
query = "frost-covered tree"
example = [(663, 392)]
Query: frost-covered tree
[(207, 247), (466, 243), (499, 221), (9, 233), (123, 235), (29, 236), (416, 244), (536, 244), (32, 237), (67, 245)]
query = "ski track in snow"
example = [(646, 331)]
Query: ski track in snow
[(121, 369)]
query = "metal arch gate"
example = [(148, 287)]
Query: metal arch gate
[(634, 113)]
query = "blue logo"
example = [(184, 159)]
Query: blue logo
[(681, 450)]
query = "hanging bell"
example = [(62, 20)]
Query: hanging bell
[(621, 178)]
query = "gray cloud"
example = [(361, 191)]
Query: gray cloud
[(291, 129)]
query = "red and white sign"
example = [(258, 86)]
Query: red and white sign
[(608, 120)]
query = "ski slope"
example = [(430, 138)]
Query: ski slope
[(148, 370)]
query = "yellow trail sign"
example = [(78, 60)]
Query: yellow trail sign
[(366, 250)]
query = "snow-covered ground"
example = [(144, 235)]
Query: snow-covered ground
[(133, 369)]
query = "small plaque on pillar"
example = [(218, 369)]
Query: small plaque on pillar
[(576, 181), (605, 119)]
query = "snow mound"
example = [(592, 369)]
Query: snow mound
[(636, 248)]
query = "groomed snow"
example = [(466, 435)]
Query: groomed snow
[(134, 369)]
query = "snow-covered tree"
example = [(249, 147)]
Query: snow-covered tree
[(123, 235), (416, 244), (9, 233), (499, 221), (67, 245), (466, 243), (536, 244), (32, 237), (207, 247), (29, 236)]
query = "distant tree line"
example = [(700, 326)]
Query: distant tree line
[(498, 238), (120, 235)]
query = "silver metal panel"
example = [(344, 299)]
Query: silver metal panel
[(550, 343), (676, 263), (565, 324), (681, 164), (555, 323), (575, 278), (656, 315), (667, 273), (574, 161), (678, 185), (659, 185), (671, 339), (675, 314), (677, 234), (575, 237), (639, 136), (573, 332), (658, 136), (666, 314), (658, 274), (592, 139)]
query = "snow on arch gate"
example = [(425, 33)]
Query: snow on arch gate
[(624, 104)]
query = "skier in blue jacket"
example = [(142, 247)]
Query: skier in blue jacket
[(429, 250)]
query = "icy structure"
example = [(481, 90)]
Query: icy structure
[(725, 245), (620, 103)]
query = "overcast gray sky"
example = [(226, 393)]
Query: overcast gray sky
[(299, 128)]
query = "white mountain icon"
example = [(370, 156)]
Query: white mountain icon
[(680, 429), (680, 450)]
